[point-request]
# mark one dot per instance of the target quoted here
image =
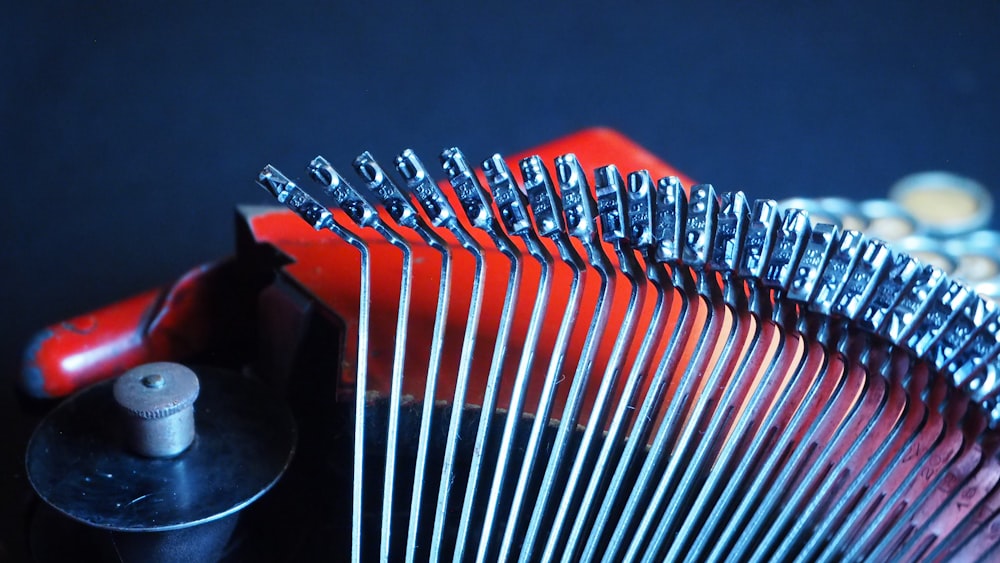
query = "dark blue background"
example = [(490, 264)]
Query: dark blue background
[(129, 133)]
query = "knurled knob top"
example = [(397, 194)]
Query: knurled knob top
[(156, 390)]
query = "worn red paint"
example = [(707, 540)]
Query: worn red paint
[(195, 313)]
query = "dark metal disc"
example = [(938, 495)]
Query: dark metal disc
[(78, 463)]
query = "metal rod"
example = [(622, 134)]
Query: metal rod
[(613, 204), (699, 421), (668, 441), (937, 455), (836, 291), (365, 167), (477, 205), (363, 213), (430, 394), (288, 193), (916, 295), (862, 435), (960, 471), (727, 252), (754, 409), (641, 216), (598, 260), (702, 215), (801, 392), (965, 486), (547, 212), (699, 230), (660, 447), (437, 207), (834, 276), (868, 272), (513, 209), (725, 259), (670, 216), (919, 458), (889, 453), (398, 206), (395, 399)]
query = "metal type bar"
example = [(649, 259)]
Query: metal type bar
[(649, 411), (907, 460), (959, 492), (958, 460), (790, 402), (832, 435), (940, 312), (899, 421), (398, 206), (899, 454), (440, 213), (641, 218), (891, 286), (664, 439), (477, 205), (288, 193), (547, 211), (750, 262), (767, 412), (670, 218), (738, 366), (357, 206), (670, 488), (599, 261), (681, 457), (828, 286), (614, 200), (976, 526), (514, 213), (855, 293), (732, 375), (854, 397), (980, 534), (699, 230)]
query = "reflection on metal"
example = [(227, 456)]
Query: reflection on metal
[(945, 204), (797, 389)]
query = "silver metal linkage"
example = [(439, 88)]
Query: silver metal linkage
[(288, 193), (641, 215), (670, 218), (731, 227), (440, 212), (334, 185), (613, 204), (514, 212), (697, 243), (835, 402), (547, 210), (476, 203)]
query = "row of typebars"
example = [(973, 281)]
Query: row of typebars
[(792, 392)]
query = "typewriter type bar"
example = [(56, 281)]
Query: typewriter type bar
[(739, 383)]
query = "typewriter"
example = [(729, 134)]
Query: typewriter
[(572, 354)]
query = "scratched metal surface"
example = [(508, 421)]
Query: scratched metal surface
[(130, 133)]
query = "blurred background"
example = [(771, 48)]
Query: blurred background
[(130, 132)]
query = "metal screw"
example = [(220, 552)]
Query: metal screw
[(154, 381)]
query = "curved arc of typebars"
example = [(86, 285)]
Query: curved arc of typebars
[(801, 324)]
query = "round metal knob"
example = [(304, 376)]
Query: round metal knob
[(158, 401)]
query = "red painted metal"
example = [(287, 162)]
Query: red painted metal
[(201, 311), (175, 322)]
